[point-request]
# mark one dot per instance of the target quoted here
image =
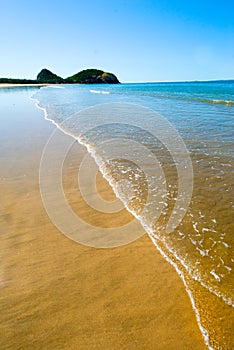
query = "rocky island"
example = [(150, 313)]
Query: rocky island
[(46, 76), (93, 76), (87, 76)]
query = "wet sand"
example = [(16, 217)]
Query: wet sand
[(58, 294)]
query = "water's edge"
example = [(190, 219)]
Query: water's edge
[(204, 332)]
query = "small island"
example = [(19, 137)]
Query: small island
[(87, 76), (93, 76)]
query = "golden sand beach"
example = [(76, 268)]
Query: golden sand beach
[(4, 85), (58, 294)]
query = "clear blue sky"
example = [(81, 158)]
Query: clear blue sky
[(160, 40)]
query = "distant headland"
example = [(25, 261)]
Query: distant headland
[(87, 76)]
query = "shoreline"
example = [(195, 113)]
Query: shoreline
[(179, 268), (85, 290), (191, 284), (4, 85)]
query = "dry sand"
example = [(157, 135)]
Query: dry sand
[(4, 85), (57, 294)]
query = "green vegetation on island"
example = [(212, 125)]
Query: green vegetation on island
[(17, 81), (46, 76), (87, 76), (93, 76)]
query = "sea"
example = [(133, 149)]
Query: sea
[(167, 151)]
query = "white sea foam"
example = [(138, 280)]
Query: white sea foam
[(213, 273), (56, 87), (95, 91), (197, 313), (100, 92)]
